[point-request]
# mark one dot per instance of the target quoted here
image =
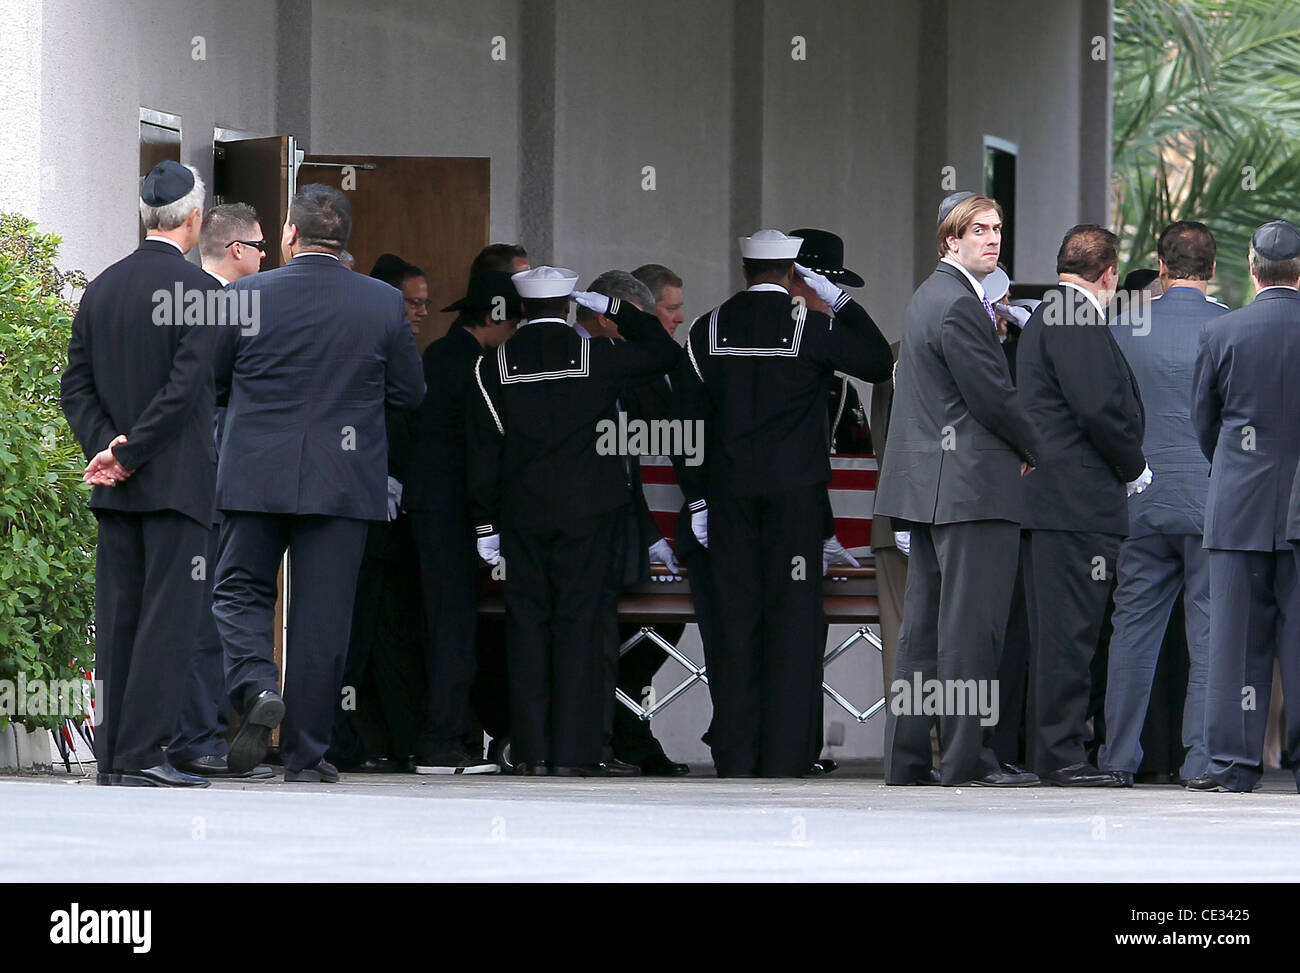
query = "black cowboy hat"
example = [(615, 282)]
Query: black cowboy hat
[(823, 252)]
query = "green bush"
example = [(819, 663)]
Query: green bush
[(47, 532)]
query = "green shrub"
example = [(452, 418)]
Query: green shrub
[(47, 532)]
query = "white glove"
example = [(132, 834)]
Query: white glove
[(1013, 313), (394, 498), (489, 548), (903, 541), (661, 552), (592, 301), (1142, 482), (700, 526), (819, 284), (833, 552)]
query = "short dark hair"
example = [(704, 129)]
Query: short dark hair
[(1138, 278), (1087, 251), (393, 270), (766, 268), (223, 225), (656, 277), (322, 215), (546, 307), (497, 256), (1188, 250)]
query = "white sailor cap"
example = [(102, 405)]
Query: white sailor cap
[(770, 245), (996, 285), (545, 282)]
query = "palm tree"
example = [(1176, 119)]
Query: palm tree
[(1207, 124)]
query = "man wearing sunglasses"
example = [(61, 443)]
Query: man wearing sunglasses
[(232, 246)]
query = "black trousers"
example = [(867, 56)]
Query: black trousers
[(385, 664), (201, 727), (557, 598), (1254, 615), (959, 583), (766, 672), (150, 572), (1013, 676), (1069, 577), (444, 542), (324, 558)]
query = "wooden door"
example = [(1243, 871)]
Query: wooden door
[(256, 171), (158, 141), (432, 212)]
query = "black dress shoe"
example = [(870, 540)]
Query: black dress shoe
[(162, 775), (107, 780), (1122, 778), (536, 768), (613, 767), (930, 779), (1012, 768), (660, 766), (1207, 783), (578, 770), (321, 772), (1080, 775), (1000, 778), (215, 766), (827, 765), (248, 748)]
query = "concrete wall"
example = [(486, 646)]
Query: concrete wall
[(741, 135)]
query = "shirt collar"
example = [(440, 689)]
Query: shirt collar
[(1089, 294), (767, 287), (220, 279), (163, 239), (316, 253), (544, 321), (979, 288), (1275, 287)]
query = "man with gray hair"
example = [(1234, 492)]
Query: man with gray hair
[(138, 394), (629, 745), (1246, 409)]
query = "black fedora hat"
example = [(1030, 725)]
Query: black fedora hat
[(484, 288), (823, 252)]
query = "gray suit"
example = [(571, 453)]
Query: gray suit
[(1246, 407), (1163, 552), (957, 436)]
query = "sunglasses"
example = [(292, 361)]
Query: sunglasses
[(258, 244)]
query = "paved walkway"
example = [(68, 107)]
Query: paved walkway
[(839, 828)]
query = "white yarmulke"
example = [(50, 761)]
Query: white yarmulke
[(770, 245), (545, 282)]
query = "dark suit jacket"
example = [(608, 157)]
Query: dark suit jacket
[(957, 431), (151, 382), (756, 376), (435, 473), (1161, 350), (534, 425), (1246, 407), (1080, 393), (305, 424)]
